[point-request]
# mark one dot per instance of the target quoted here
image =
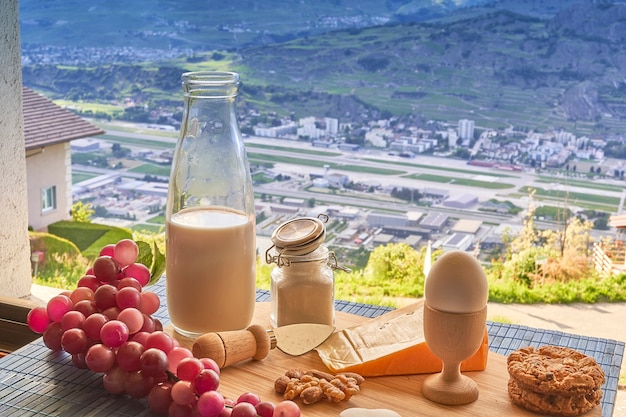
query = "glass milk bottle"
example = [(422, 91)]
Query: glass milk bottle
[(210, 219)]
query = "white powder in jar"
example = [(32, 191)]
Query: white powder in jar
[(303, 290)]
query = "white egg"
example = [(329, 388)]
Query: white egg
[(456, 283)]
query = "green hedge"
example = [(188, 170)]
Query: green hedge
[(611, 289), (48, 243), (89, 237), (62, 264)]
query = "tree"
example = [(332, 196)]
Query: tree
[(559, 255), (601, 223), (572, 240), (398, 265), (81, 212), (527, 237), (118, 151)]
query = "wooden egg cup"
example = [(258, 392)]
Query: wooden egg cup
[(452, 337)]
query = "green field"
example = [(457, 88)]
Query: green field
[(595, 185), (320, 164), (151, 228), (460, 181), (148, 143), (151, 169), (591, 201), (289, 149), (79, 177), (442, 168)]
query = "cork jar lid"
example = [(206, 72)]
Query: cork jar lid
[(299, 236)]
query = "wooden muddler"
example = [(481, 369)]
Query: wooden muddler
[(227, 348)]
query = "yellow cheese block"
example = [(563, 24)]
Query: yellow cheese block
[(391, 344)]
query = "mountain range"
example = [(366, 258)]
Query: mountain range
[(532, 65)]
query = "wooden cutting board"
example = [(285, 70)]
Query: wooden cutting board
[(401, 394)]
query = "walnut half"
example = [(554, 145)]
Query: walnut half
[(314, 385)]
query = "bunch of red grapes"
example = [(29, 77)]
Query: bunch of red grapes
[(106, 324)]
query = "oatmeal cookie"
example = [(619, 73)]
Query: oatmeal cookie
[(553, 404), (555, 370)]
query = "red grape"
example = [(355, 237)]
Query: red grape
[(129, 282), (128, 356), (105, 268), (114, 380), (74, 341), (87, 307), (158, 326), (100, 358), (37, 319), (210, 404), (249, 397), (114, 333), (182, 393), (111, 313), (210, 364), (58, 306), (93, 324), (244, 409), (161, 341), (189, 368), (138, 271), (159, 398), (125, 252), (226, 412), (132, 318), (175, 355), (105, 296), (72, 320), (177, 410), (140, 337), (128, 297), (206, 380), (88, 281), (52, 336), (153, 362), (150, 302), (138, 385), (265, 409), (148, 324), (107, 250), (81, 293), (287, 408)]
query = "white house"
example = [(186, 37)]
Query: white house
[(48, 130)]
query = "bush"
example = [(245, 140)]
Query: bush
[(62, 265), (590, 290)]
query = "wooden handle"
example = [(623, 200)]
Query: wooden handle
[(227, 348)]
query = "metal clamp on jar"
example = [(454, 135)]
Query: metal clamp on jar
[(302, 282)]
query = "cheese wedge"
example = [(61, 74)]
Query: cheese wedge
[(391, 344)]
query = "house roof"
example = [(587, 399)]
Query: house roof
[(618, 221), (45, 123)]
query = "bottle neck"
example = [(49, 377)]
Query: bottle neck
[(211, 85)]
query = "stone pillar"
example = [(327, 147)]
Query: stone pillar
[(15, 268)]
